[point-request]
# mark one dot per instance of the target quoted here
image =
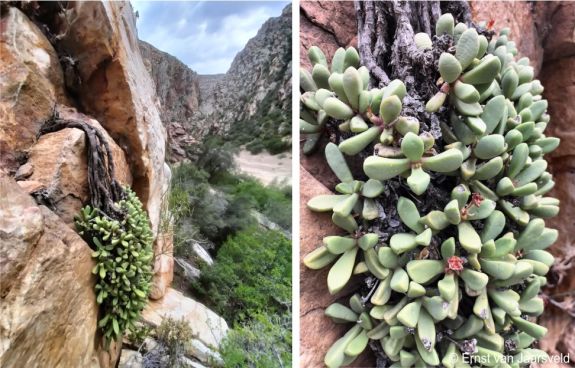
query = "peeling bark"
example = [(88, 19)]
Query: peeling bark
[(386, 48)]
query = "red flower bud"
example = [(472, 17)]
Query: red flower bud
[(455, 263)]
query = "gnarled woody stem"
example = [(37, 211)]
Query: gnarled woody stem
[(103, 186), (387, 49)]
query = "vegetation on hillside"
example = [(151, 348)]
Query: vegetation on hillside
[(269, 129), (249, 283)]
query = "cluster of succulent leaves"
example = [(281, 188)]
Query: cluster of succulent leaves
[(465, 277), (124, 255)]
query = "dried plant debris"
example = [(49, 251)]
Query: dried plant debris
[(448, 230)]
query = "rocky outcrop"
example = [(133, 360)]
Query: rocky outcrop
[(178, 90), (176, 84), (187, 271), (83, 59), (207, 327), (259, 79), (59, 164), (48, 310), (116, 89), (131, 359), (32, 83), (163, 264), (257, 84)]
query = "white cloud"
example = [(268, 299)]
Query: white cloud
[(199, 34)]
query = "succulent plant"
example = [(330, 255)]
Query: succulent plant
[(463, 279), (123, 254)]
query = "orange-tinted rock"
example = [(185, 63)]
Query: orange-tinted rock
[(318, 332), (560, 18), (31, 83), (206, 325), (59, 162), (328, 25), (558, 78), (118, 91), (163, 265), (48, 310), (543, 31), (519, 16), (31, 186)]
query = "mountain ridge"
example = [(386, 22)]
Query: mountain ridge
[(250, 104)]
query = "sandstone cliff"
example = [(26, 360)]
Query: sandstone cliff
[(544, 31), (256, 90), (83, 62), (177, 86)]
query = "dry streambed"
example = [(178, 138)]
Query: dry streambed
[(265, 167)]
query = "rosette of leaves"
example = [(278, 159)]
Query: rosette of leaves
[(465, 277), (123, 254)]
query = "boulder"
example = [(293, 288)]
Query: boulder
[(131, 359), (207, 326), (31, 84), (188, 363), (202, 254), (318, 331), (58, 161), (117, 90), (204, 354), (48, 310), (186, 270), (266, 223)]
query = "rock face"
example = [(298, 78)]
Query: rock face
[(31, 83), (257, 84), (186, 270), (558, 79), (117, 90), (261, 71), (328, 25), (48, 310), (208, 328), (318, 332), (178, 90), (176, 84), (58, 161), (163, 265)]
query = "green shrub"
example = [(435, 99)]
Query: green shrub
[(173, 335), (263, 342), (251, 273), (273, 202), (138, 332), (216, 156)]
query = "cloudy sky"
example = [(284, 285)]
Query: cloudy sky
[(205, 35)]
